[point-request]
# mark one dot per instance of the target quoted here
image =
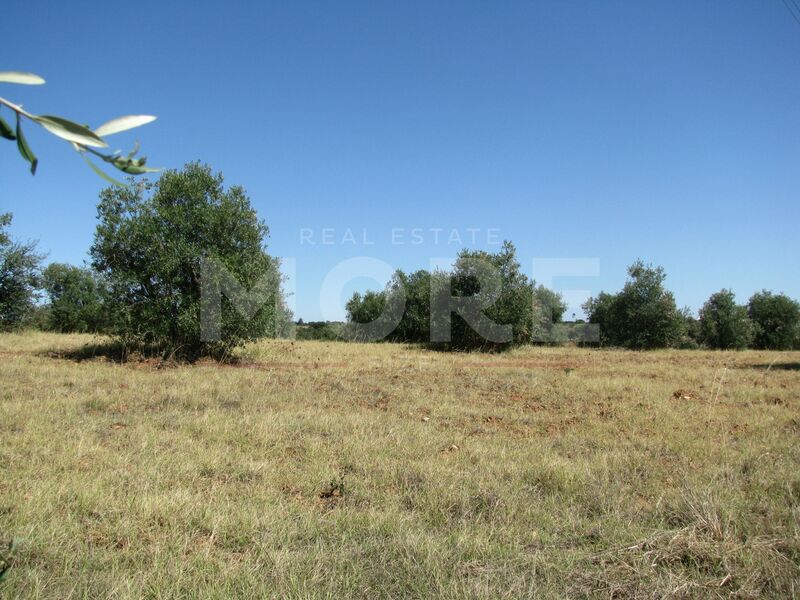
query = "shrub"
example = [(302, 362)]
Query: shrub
[(150, 244), (724, 324), (776, 318)]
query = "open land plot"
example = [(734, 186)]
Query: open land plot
[(314, 470)]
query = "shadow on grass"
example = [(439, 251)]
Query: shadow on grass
[(117, 352), (111, 351), (149, 356), (775, 366)]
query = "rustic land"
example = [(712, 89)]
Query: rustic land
[(322, 470)]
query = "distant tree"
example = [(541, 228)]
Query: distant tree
[(776, 318), (19, 278), (150, 245), (5, 221), (320, 330), (552, 303), (601, 311), (548, 310), (39, 318), (76, 299), (516, 301), (724, 324), (692, 325), (363, 309), (690, 340), (513, 306), (415, 325), (642, 316)]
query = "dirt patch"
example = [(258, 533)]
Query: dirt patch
[(523, 364), (271, 365), (685, 394)]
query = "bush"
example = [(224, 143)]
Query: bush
[(19, 279), (642, 316), (76, 299), (151, 244), (777, 320), (724, 324)]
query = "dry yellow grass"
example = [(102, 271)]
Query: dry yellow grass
[(343, 470)]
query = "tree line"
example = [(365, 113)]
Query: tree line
[(143, 287), (641, 316)]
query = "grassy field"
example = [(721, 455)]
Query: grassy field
[(331, 470)]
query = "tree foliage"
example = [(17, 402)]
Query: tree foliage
[(724, 324), (150, 243), (328, 331), (777, 320), (514, 306), (366, 308), (77, 299), (643, 315), (511, 300), (19, 278)]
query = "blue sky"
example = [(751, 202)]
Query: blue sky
[(667, 131)]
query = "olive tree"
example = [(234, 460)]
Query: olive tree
[(77, 299), (643, 315), (776, 318), (435, 304), (19, 278), (724, 324), (152, 243)]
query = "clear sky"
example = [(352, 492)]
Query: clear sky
[(667, 131)]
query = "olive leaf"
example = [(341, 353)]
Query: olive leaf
[(24, 149), (100, 172), (20, 77), (123, 124), (70, 131), (6, 131)]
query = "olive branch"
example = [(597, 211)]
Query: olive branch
[(83, 139)]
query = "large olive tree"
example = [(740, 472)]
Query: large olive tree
[(152, 243)]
